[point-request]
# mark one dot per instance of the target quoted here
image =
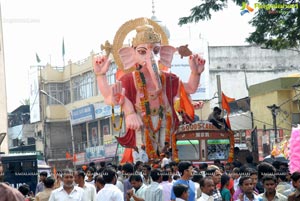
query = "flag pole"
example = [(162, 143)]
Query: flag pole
[(63, 51)]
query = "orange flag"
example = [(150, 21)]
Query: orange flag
[(225, 102), (185, 103), (225, 105), (68, 155), (54, 171), (74, 158)]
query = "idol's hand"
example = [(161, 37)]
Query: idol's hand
[(117, 93), (196, 64), (101, 65), (133, 121)]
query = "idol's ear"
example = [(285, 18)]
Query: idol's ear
[(166, 55), (127, 56)]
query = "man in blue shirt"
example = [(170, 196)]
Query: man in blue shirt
[(185, 169)]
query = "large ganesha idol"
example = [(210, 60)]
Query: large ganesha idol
[(146, 91)]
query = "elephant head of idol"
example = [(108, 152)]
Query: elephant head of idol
[(147, 52)]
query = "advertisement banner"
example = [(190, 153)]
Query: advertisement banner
[(80, 158), (95, 152), (110, 150)]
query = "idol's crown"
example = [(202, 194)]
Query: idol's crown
[(145, 34)]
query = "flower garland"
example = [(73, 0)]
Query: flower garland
[(145, 104), (113, 118), (149, 147), (168, 126), (146, 114)]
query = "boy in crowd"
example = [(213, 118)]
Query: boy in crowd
[(181, 192), (270, 183), (246, 184)]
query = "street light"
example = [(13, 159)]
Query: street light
[(274, 109), (70, 119)]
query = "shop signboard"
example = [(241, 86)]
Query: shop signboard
[(103, 110), (83, 114), (95, 152)]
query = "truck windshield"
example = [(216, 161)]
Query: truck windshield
[(218, 149), (188, 149)]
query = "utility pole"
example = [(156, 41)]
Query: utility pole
[(274, 109), (219, 90), (3, 95)]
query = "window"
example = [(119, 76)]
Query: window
[(59, 91), (83, 86), (30, 140), (218, 149), (188, 149), (111, 76), (67, 93), (295, 118)]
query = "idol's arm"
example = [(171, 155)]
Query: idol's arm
[(197, 67)]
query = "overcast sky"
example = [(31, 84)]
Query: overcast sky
[(38, 26)]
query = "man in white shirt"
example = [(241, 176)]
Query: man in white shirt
[(236, 178), (166, 160), (167, 185), (68, 192), (146, 174), (207, 187), (110, 192), (136, 155), (143, 154), (89, 189), (137, 193), (155, 190)]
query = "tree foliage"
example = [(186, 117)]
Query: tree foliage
[(275, 28)]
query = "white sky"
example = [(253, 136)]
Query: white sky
[(38, 26)]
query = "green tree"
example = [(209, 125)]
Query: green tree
[(275, 28)]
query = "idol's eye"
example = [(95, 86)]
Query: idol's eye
[(142, 51), (156, 50)]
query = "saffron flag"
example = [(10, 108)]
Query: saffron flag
[(74, 158), (225, 105), (54, 171), (185, 103), (68, 155)]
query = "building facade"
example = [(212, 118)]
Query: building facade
[(276, 103), (74, 120)]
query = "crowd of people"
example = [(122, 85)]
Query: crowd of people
[(167, 181)]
